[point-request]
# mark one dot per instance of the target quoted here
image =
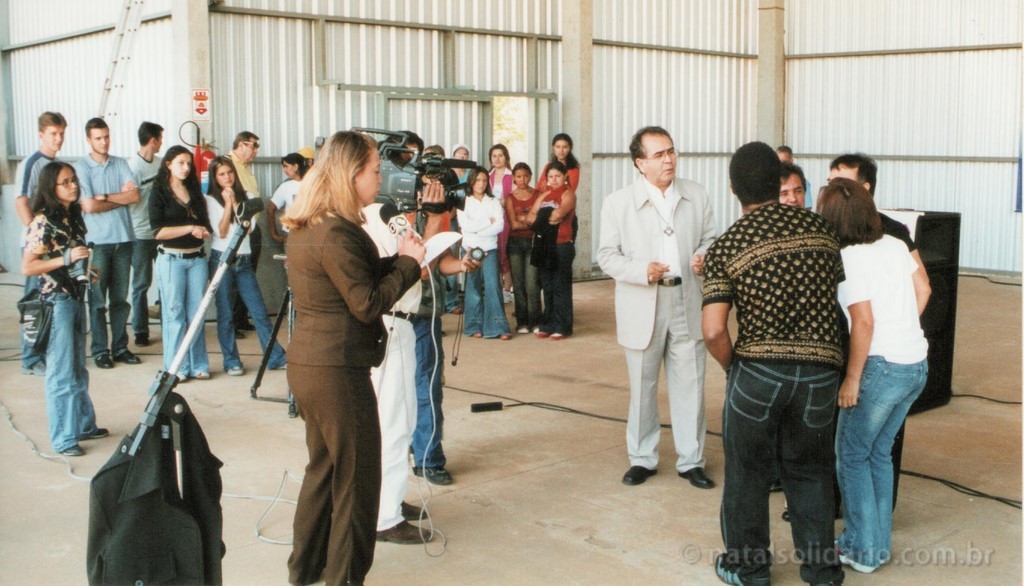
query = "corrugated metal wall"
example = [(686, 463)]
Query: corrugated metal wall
[(934, 97), (706, 101), (34, 20)]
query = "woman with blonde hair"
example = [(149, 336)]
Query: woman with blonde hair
[(340, 288)]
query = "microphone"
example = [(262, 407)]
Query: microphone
[(395, 219)]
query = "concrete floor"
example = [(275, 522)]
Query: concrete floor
[(537, 497)]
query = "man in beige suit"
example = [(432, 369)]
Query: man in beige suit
[(653, 237)]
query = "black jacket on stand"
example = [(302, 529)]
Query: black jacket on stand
[(141, 531)]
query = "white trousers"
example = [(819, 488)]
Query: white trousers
[(395, 384), (684, 359)]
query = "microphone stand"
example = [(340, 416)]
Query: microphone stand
[(167, 380)]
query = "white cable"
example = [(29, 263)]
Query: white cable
[(35, 450), (273, 501)]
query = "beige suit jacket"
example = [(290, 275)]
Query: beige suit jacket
[(630, 240)]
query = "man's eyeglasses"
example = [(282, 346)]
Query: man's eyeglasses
[(68, 182), (254, 144), (662, 155)]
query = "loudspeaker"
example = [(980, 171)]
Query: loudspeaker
[(938, 243)]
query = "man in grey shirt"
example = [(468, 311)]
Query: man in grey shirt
[(144, 166)]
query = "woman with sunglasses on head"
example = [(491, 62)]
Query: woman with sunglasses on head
[(551, 218), (223, 197), (883, 296), (54, 244), (340, 289), (178, 216)]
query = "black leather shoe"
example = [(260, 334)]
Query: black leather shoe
[(100, 432), (698, 478), (405, 533), (411, 512), (127, 357), (438, 476), (637, 475), (103, 361), (142, 340)]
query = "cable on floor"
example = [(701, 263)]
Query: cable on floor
[(35, 450)]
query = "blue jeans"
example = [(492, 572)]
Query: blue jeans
[(182, 283), (29, 357), (68, 406), (110, 293), (557, 285), (143, 255), (864, 441), (485, 304), (240, 277), (426, 438), (789, 405), (525, 283)]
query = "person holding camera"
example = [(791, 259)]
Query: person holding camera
[(177, 213), (53, 246), (482, 223), (340, 288), (223, 196)]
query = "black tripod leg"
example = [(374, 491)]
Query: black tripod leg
[(270, 346)]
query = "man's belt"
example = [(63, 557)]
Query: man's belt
[(400, 315), (182, 255), (670, 281)]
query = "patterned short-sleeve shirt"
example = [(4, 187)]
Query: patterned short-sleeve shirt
[(780, 266), (49, 237)]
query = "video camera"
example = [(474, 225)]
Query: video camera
[(402, 171)]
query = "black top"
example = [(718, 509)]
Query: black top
[(49, 237), (897, 230), (779, 265), (165, 211)]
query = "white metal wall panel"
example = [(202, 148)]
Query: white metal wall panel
[(33, 20), (708, 25), (387, 56), (831, 26), (490, 63), (523, 16), (940, 104), (445, 123)]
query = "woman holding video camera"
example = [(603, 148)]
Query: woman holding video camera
[(482, 223), (52, 246), (340, 289)]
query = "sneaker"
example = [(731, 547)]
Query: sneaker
[(556, 336), (437, 475), (100, 432), (405, 533), (282, 366), (74, 451), (730, 574), (127, 357), (103, 361), (37, 369), (201, 376), (859, 567), (235, 371), (523, 330)]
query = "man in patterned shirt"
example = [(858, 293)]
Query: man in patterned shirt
[(779, 265)]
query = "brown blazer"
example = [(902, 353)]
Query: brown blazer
[(340, 289)]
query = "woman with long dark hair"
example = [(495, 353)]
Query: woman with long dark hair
[(177, 214), (561, 152), (883, 296), (223, 197), (525, 279), (483, 221), (552, 218), (340, 289), (54, 242)]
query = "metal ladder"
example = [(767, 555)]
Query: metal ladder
[(128, 24)]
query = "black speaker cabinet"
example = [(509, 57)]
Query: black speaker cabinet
[(938, 242)]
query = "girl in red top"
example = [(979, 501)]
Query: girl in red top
[(558, 205), (525, 279)]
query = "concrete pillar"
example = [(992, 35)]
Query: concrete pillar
[(578, 115), (771, 72), (190, 37)]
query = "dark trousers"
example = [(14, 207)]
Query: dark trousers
[(557, 285), (143, 257), (791, 402), (335, 527)]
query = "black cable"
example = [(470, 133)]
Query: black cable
[(562, 409), (989, 279), (986, 398)]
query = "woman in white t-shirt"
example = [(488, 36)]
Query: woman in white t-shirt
[(482, 221), (222, 197), (883, 295), (294, 167)]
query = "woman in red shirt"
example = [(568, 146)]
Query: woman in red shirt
[(552, 217), (525, 280)]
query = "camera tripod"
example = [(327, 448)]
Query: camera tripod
[(286, 310)]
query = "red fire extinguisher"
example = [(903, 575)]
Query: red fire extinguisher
[(201, 156)]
